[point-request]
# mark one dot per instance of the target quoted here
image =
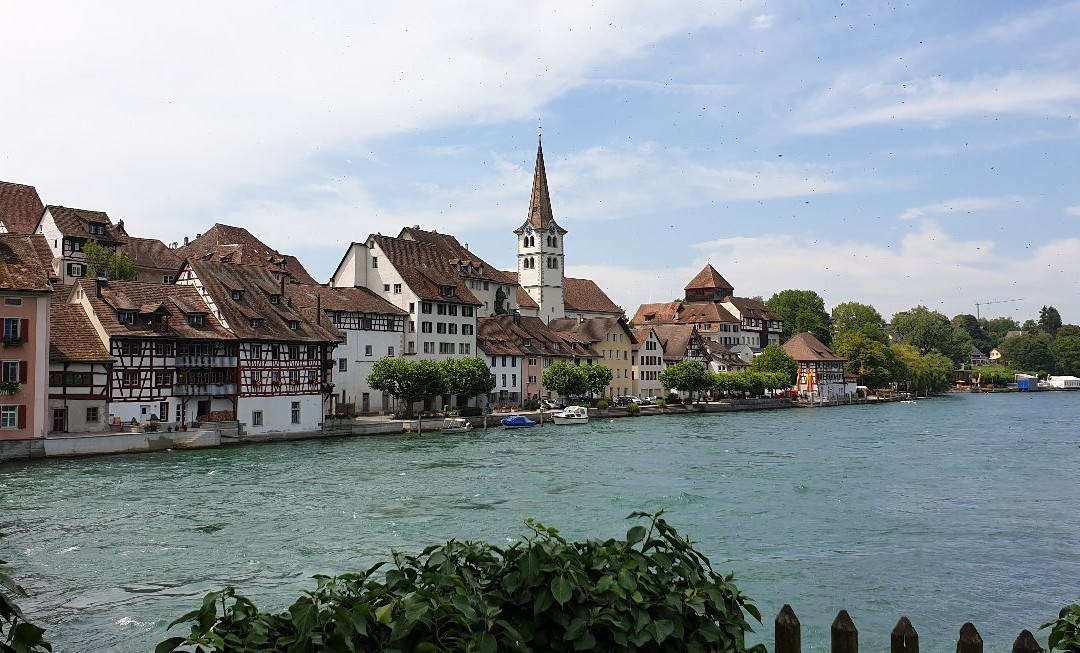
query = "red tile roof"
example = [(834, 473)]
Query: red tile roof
[(584, 296), (708, 279), (805, 348), (20, 207), (75, 223), (682, 313), (350, 300), (21, 267), (227, 244), (753, 308), (465, 262), (162, 310), (151, 253), (423, 267), (676, 339), (72, 337), (591, 330)]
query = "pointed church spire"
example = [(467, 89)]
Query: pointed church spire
[(540, 216)]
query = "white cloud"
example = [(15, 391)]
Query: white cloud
[(856, 101), (927, 267), (960, 205), (1073, 210), (762, 21)]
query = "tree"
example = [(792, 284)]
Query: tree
[(863, 318), (775, 359), (596, 378), (687, 376), (974, 328), (930, 331), (565, 380), (105, 262), (802, 310), (869, 360), (408, 381), (500, 301), (997, 328), (468, 377), (1049, 320), (1067, 330), (1066, 351), (1031, 353)]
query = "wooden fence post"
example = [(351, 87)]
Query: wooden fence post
[(1025, 643), (904, 638), (970, 641), (845, 636), (788, 637)]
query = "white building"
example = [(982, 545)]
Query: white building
[(68, 230), (80, 371)]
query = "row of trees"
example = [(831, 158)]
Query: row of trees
[(410, 381), (569, 380), (773, 370)]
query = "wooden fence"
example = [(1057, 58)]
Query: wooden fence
[(904, 639)]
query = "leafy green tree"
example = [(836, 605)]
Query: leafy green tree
[(1031, 352), (102, 261), (500, 301), (974, 328), (862, 318), (688, 376), (1066, 351), (1067, 330), (468, 377), (596, 378), (869, 360), (930, 331), (565, 380), (996, 330), (802, 310), (408, 381), (1049, 320), (774, 359)]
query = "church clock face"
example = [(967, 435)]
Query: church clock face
[(528, 229), (551, 230)]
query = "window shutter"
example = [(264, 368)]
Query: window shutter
[(22, 416), (23, 371), (24, 330)]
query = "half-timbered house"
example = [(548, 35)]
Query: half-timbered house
[(154, 261), (821, 370), (285, 355), (224, 243), (80, 371), (173, 361), (68, 230), (371, 329)]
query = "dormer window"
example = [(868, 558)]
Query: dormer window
[(97, 229), (275, 299), (526, 342), (196, 319), (294, 325), (125, 317), (255, 322), (237, 295), (446, 291)]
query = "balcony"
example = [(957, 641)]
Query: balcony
[(203, 389), (199, 360)]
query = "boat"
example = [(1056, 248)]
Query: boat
[(456, 425), (517, 422), (907, 401), (571, 415)]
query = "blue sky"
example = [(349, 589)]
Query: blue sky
[(896, 154)]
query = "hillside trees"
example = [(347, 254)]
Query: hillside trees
[(930, 331), (861, 318), (1030, 352), (802, 310), (1049, 320), (871, 361)]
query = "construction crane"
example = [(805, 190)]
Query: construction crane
[(998, 301)]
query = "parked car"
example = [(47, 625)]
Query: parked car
[(548, 404)]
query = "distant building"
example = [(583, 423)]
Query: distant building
[(67, 231), (647, 362), (821, 370), (612, 339), (978, 358), (154, 261)]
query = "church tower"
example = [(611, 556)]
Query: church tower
[(540, 242)]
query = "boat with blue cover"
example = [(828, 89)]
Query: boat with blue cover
[(517, 422)]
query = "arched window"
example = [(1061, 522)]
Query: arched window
[(554, 241)]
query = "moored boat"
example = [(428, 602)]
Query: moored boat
[(517, 422), (571, 415), (456, 425)]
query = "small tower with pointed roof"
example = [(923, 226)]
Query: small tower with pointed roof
[(541, 247)]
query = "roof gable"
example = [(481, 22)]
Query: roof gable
[(805, 348), (20, 207)]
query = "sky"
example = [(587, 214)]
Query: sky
[(892, 153)]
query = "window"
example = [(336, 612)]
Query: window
[(386, 287), (179, 417), (294, 376), (503, 381), (374, 261), (12, 301), (446, 347), (312, 352), (453, 328), (130, 378), (274, 352), (411, 347), (294, 352), (464, 348), (256, 352), (412, 307), (532, 379), (162, 379), (163, 411), (441, 309), (440, 327), (125, 317), (412, 326), (532, 361), (130, 347), (11, 372), (367, 350), (76, 246), (196, 319), (97, 229), (342, 364), (425, 327), (467, 311), (238, 295), (397, 288), (425, 307), (429, 347), (390, 350), (92, 415), (256, 378), (466, 329), (294, 325), (9, 417), (166, 279), (296, 412), (452, 309), (485, 288), (255, 322), (513, 380), (275, 299), (256, 418), (513, 361), (446, 291)]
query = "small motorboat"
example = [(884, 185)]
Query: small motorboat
[(907, 401), (456, 425), (571, 415), (517, 422)]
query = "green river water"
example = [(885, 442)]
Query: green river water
[(961, 508)]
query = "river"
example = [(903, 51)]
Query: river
[(960, 508)]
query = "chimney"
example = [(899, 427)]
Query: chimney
[(318, 309), (466, 247), (185, 241), (101, 282), (517, 316), (281, 283)]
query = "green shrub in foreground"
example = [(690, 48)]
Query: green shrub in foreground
[(650, 592), (1065, 630)]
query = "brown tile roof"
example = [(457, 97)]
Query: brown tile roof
[(591, 330), (72, 337), (472, 266), (682, 313), (258, 284), (20, 207), (21, 267), (227, 244), (161, 310), (354, 300), (540, 215), (423, 268), (493, 340), (524, 299), (754, 308), (708, 279), (584, 296), (805, 348), (75, 223), (675, 339), (543, 340), (151, 253), (719, 352), (641, 334)]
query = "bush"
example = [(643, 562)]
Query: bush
[(531, 404), (633, 409), (16, 633), (652, 591), (1065, 630), (661, 404), (603, 403), (470, 411), (673, 399)]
